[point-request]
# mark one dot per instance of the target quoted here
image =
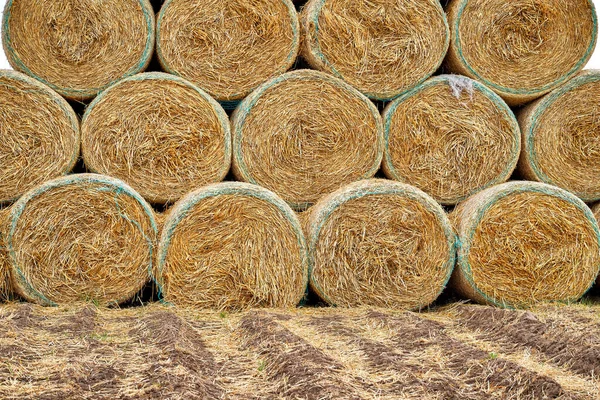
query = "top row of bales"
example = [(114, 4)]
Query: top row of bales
[(521, 49)]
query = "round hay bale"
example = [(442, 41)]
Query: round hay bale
[(227, 47), (159, 133), (521, 49), (78, 47), (379, 243), (40, 135), (524, 243), (232, 246), (450, 137), (81, 237), (305, 134), (381, 47), (596, 211), (561, 145)]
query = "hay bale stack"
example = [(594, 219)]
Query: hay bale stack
[(227, 47), (523, 243), (521, 49), (78, 47), (39, 135), (159, 133), (80, 237), (305, 134), (232, 246), (561, 145), (379, 243), (450, 137), (382, 47)]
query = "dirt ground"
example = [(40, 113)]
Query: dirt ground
[(460, 351)]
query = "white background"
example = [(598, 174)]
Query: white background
[(594, 61)]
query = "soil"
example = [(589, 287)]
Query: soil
[(459, 351)]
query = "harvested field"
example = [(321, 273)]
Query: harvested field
[(456, 352)]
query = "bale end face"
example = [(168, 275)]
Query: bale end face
[(300, 148), (524, 243), (394, 45), (78, 47), (232, 246), (40, 135), (159, 133), (230, 47), (521, 49), (379, 243), (560, 137), (80, 238), (450, 137)]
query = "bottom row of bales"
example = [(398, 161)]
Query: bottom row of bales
[(232, 246)]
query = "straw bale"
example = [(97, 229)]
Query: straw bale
[(81, 237), (227, 47), (524, 243), (381, 47), (232, 246), (306, 134), (379, 243), (521, 49), (450, 137), (561, 141), (78, 47), (40, 135), (159, 133)]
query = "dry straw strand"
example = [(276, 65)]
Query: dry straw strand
[(81, 237), (305, 134), (561, 145), (524, 243), (78, 47), (379, 243), (450, 137), (381, 47), (227, 47), (40, 135), (521, 49), (159, 133), (232, 246)]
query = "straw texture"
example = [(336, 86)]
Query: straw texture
[(80, 237), (524, 243), (561, 142), (40, 135), (305, 134), (232, 246), (78, 47), (381, 47), (379, 243), (450, 137), (596, 211), (160, 134), (5, 287), (227, 47), (521, 49)]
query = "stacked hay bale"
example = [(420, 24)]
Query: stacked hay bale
[(305, 134), (383, 48), (159, 133), (80, 237), (523, 243), (78, 47), (450, 137), (521, 49), (5, 287), (561, 145), (379, 243), (232, 246), (227, 47), (40, 135)]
